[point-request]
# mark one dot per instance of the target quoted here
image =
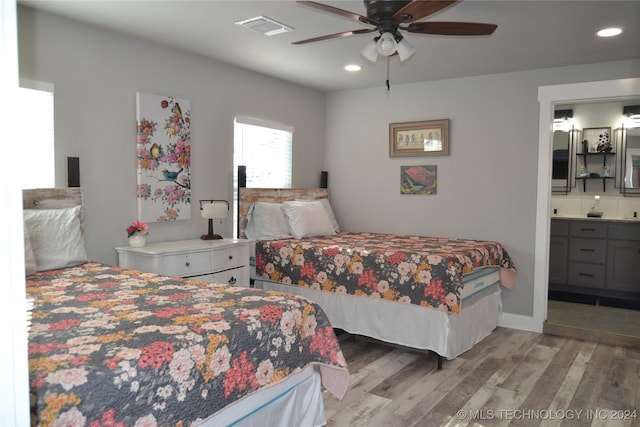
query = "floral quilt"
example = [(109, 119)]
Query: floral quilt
[(407, 269), (115, 347)]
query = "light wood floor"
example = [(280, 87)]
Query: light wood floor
[(512, 377)]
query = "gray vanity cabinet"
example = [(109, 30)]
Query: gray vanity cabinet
[(623, 261), (587, 253), (595, 256), (558, 252)]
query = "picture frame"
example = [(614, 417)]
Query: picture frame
[(418, 139), (596, 136), (419, 179)]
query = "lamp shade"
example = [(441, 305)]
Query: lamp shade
[(631, 111), (405, 50), (386, 45), (562, 114), (370, 52), (214, 209)]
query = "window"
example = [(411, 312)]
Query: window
[(34, 114), (265, 149)]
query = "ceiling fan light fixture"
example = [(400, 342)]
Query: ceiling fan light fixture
[(370, 51), (386, 45), (405, 50)]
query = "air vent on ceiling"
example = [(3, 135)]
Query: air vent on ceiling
[(264, 25)]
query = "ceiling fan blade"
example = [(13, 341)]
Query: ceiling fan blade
[(340, 12), (418, 9), (452, 28), (336, 35)]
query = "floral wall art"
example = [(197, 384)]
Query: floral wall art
[(163, 157)]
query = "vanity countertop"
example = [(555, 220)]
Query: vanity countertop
[(603, 218)]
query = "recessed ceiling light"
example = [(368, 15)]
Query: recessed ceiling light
[(352, 67), (609, 32)]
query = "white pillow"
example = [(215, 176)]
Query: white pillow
[(29, 257), (265, 221), (56, 237), (307, 219), (327, 208), (332, 218)]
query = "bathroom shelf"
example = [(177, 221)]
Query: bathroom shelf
[(604, 153), (604, 163), (603, 178)]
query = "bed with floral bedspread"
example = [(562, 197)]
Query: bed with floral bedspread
[(118, 347), (426, 271)]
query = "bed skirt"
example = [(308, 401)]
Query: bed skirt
[(296, 401), (405, 324)]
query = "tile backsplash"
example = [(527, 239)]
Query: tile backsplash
[(611, 207)]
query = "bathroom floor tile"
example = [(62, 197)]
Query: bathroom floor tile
[(594, 317)]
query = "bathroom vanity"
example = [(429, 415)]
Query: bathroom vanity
[(597, 256)]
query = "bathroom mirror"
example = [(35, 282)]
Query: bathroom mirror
[(562, 161), (631, 162)]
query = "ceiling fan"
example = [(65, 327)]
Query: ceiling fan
[(389, 17)]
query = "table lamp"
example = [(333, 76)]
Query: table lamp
[(213, 209)]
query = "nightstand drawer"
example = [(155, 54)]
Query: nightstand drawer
[(197, 258), (224, 259), (186, 264), (588, 250), (233, 277)]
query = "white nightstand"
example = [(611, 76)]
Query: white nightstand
[(219, 261)]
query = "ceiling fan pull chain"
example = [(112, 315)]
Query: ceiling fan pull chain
[(388, 87)]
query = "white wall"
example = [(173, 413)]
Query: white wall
[(14, 369), (486, 186), (96, 75)]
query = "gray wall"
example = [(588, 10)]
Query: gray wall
[(96, 75), (486, 186)]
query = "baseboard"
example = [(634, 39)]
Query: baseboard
[(516, 321)]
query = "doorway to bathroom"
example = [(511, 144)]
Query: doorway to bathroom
[(549, 97)]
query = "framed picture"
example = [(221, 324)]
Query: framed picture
[(597, 138), (417, 139), (418, 179)]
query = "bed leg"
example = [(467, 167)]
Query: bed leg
[(439, 361)]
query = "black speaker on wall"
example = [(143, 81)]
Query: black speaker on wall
[(324, 179), (73, 171)]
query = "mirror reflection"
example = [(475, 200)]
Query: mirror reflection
[(561, 166), (632, 159)]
